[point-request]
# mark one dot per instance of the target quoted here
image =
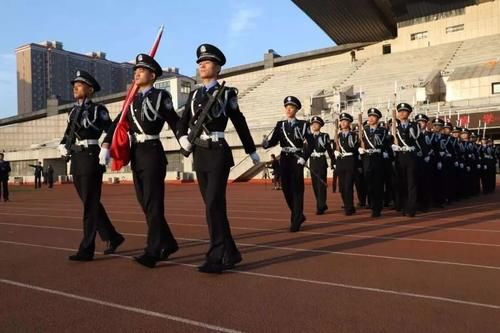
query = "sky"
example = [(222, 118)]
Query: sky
[(243, 29)]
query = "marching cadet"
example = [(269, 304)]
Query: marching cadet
[(317, 162), (213, 159), (448, 163), (359, 177), (476, 167), (458, 164), (4, 178), (346, 155), (149, 111), (388, 156), (295, 139), (407, 134), (424, 175), (437, 160), (86, 123), (492, 168), (373, 151), (488, 171), (467, 159)]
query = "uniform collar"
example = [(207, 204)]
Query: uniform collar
[(146, 91), (210, 85)]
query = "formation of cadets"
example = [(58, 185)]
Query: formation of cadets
[(411, 166)]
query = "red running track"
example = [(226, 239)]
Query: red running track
[(438, 272)]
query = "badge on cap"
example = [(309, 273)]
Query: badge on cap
[(139, 57), (203, 49), (77, 73), (289, 99)]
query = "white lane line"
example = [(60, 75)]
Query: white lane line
[(308, 281), (120, 306), (337, 234), (310, 222), (290, 249)]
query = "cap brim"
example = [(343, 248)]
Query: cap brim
[(211, 57), (151, 68), (294, 104), (95, 86)]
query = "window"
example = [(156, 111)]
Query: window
[(386, 49), (454, 28), (495, 88), (419, 35), (185, 87), (163, 85)]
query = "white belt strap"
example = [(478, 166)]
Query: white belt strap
[(214, 136), (290, 150), (145, 137), (87, 142), (316, 154), (373, 151)]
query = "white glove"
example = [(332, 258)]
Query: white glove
[(427, 159), (439, 165), (478, 166), (185, 144), (62, 150), (385, 155), (337, 154), (461, 165), (396, 148), (361, 150), (441, 153), (485, 167), (255, 157), (456, 164), (448, 155), (301, 161), (411, 148), (104, 156), (468, 169)]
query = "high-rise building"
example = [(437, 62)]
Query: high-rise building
[(45, 69)]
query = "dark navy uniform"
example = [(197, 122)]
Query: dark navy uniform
[(4, 178), (90, 120), (406, 162), (346, 156), (437, 161), (296, 142), (424, 156), (375, 141), (147, 115), (322, 147), (212, 162)]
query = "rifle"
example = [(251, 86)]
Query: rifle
[(200, 119), (361, 130), (336, 134), (393, 126)]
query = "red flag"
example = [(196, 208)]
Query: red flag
[(120, 146), (488, 118), (464, 120)]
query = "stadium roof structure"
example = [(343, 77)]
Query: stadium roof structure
[(355, 21)]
